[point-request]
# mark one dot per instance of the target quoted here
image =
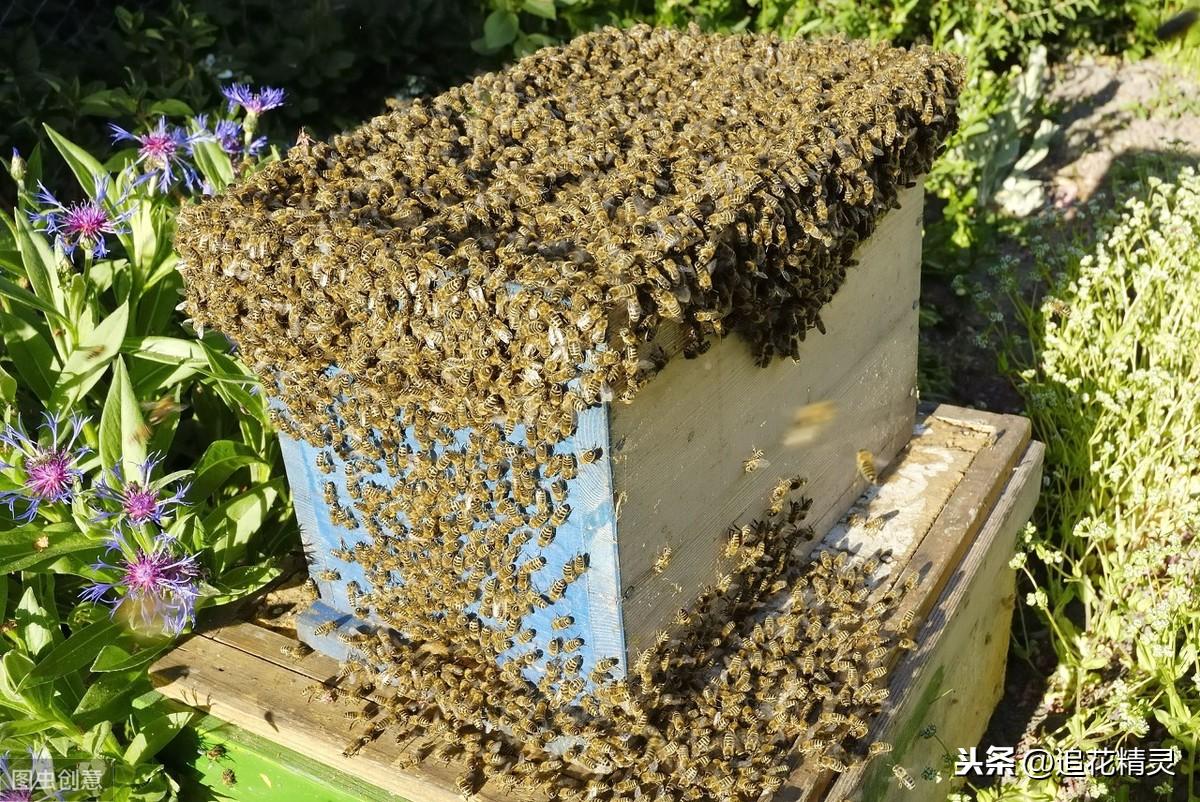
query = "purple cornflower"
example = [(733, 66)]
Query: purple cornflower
[(83, 224), (253, 102), (164, 150), (159, 586), (138, 501), (49, 472), (232, 138), (28, 786)]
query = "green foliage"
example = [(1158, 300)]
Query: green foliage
[(1108, 366), (76, 65), (99, 338)]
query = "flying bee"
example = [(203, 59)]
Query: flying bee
[(865, 461), (755, 462), (160, 410), (663, 560)]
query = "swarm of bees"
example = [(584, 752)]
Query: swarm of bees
[(437, 295)]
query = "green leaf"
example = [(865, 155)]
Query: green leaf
[(14, 665), (82, 164), (542, 8), (108, 103), (217, 464), (18, 294), (32, 355), (214, 163), (114, 658), (41, 266), (157, 304), (37, 626), (8, 387), (236, 520), (145, 238), (233, 385), (103, 699), (77, 651), (168, 350), (500, 29), (22, 729), (90, 359), (156, 734), (171, 108), (18, 553), (123, 433), (240, 582)]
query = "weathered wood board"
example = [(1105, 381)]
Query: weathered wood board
[(948, 507), (678, 449)]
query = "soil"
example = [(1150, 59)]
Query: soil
[(1115, 119)]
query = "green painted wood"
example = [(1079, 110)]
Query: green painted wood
[(264, 771)]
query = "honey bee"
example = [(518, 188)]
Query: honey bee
[(160, 410), (755, 462), (588, 456), (903, 777), (324, 628), (865, 461), (663, 560), (295, 651)]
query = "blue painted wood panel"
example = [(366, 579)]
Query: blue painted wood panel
[(594, 600)]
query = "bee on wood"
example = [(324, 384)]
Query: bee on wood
[(663, 560), (755, 462), (295, 651)]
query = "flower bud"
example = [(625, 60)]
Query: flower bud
[(16, 167)]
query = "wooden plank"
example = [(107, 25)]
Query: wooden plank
[(956, 676), (270, 701), (833, 480), (995, 443), (237, 672), (677, 450)]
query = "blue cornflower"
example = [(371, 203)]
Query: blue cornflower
[(138, 501), (83, 224), (159, 587), (28, 785), (253, 102), (164, 151), (231, 136), (48, 472)]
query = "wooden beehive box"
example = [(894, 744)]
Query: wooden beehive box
[(950, 508), (537, 344), (671, 472)]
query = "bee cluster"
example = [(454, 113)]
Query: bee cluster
[(436, 296)]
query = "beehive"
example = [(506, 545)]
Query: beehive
[(538, 343)]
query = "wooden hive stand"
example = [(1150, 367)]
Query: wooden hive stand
[(948, 509)]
